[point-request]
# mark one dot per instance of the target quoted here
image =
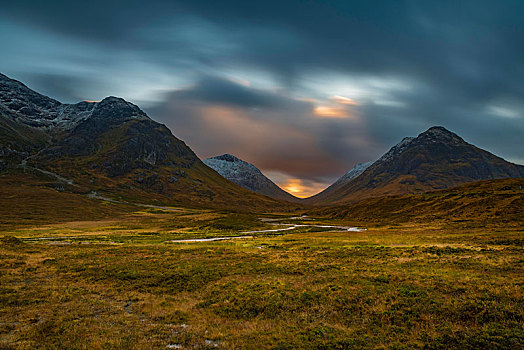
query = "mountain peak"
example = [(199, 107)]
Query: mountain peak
[(227, 157), (246, 175), (435, 159), (118, 109), (113, 100), (440, 133), (438, 129), (111, 146)]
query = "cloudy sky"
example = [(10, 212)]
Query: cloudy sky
[(302, 89)]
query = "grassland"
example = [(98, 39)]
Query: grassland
[(478, 204), (111, 277)]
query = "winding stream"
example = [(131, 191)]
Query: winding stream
[(288, 227), (281, 227)]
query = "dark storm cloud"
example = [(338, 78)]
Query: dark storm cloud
[(408, 64), (421, 38), (215, 90), (64, 88)]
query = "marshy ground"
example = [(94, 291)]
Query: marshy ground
[(124, 283)]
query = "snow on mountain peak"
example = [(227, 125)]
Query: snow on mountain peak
[(246, 175)]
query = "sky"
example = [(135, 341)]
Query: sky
[(304, 90)]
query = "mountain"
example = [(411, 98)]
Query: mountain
[(248, 176), (436, 159), (110, 147)]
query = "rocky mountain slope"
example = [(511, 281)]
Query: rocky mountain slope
[(247, 175), (436, 159), (110, 147)]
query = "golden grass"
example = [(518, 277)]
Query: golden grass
[(388, 287), (482, 203), (111, 277)]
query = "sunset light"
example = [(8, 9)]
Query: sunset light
[(330, 112), (299, 189)]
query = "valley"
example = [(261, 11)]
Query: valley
[(115, 235), (125, 283), (165, 277)]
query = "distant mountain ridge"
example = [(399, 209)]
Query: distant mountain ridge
[(247, 175), (436, 159), (114, 147), (110, 146)]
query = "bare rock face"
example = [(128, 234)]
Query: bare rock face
[(247, 175), (116, 135), (120, 138), (32, 109)]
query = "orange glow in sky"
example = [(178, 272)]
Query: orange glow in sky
[(330, 112), (298, 189)]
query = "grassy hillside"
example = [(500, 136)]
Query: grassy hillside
[(479, 203), (31, 198), (28, 199), (18, 141)]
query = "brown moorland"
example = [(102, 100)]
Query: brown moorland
[(112, 276)]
